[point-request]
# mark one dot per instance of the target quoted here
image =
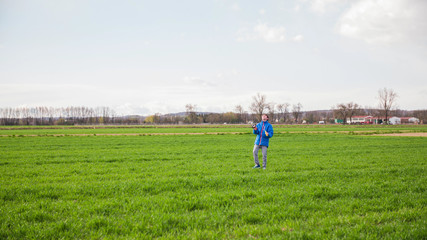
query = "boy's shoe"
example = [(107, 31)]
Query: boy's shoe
[(257, 166), (264, 168)]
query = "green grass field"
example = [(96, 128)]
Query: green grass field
[(150, 129), (325, 185)]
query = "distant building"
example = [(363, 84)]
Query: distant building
[(409, 120), (361, 120), (395, 120), (379, 120), (404, 120)]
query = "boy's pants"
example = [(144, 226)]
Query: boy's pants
[(264, 154)]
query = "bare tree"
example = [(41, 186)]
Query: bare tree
[(271, 111), (340, 112), (282, 108), (346, 111), (156, 118), (296, 111), (314, 116), (191, 112), (26, 115), (353, 108), (8, 116), (259, 105), (2, 116), (387, 98), (105, 114), (371, 111), (240, 112), (421, 115)]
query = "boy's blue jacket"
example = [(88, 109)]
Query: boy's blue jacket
[(261, 138)]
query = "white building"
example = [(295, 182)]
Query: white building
[(414, 120), (395, 120), (361, 120), (404, 120)]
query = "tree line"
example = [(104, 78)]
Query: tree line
[(56, 116), (387, 106), (283, 113), (344, 111), (286, 113)]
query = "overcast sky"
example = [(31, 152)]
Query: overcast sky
[(145, 57)]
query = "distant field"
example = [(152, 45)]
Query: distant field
[(322, 182), (54, 130)]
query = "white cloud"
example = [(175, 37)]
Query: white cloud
[(244, 35), (130, 109), (148, 108), (228, 74), (323, 6), (298, 38), (62, 94), (262, 11), (385, 21), (198, 82), (263, 32), (316, 51), (235, 7), (270, 34)]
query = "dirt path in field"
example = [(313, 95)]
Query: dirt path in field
[(119, 134), (422, 134)]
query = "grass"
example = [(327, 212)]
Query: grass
[(316, 186), (153, 129)]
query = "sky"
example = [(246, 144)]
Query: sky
[(146, 57)]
